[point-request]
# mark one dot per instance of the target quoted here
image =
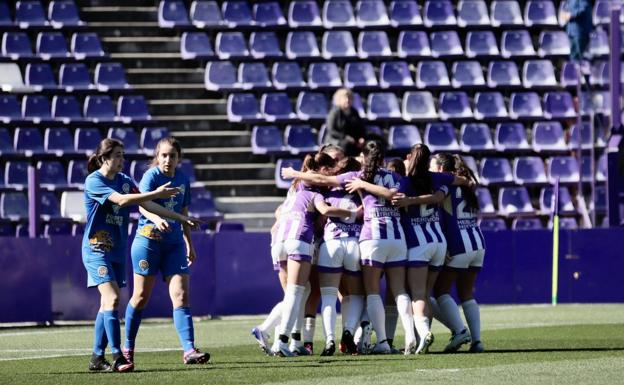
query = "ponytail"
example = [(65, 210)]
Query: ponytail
[(373, 159), (103, 151), (418, 170), (314, 162), (462, 169)]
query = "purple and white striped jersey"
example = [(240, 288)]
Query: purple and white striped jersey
[(460, 226), (297, 217), (381, 219), (336, 228), (421, 223)]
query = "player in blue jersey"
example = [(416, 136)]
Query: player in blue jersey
[(108, 193), (164, 246)]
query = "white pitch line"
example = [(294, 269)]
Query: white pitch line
[(64, 331), (85, 352)]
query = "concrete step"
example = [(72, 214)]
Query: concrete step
[(137, 76), (235, 171), (141, 44), (186, 106), (246, 205), (242, 188), (227, 138), (252, 221)]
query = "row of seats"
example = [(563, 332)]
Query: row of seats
[(415, 105), (31, 13), (71, 77), (52, 45), (367, 14), (526, 223), (67, 109), (50, 228), (376, 44), (225, 76), (547, 137), (60, 141)]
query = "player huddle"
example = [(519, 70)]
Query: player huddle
[(346, 223)]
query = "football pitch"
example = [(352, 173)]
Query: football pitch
[(580, 344)]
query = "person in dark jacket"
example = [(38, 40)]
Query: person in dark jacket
[(345, 128), (577, 15)]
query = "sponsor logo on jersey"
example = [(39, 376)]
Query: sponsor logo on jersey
[(143, 264), (102, 271), (101, 241), (125, 188), (150, 232)]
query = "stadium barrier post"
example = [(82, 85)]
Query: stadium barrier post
[(555, 252)]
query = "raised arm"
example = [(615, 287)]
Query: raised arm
[(160, 223), (330, 211), (401, 200), (163, 212), (310, 178), (162, 192), (380, 191)]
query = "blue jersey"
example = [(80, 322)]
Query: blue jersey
[(462, 232), (106, 232), (152, 179)]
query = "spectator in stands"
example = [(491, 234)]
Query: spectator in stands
[(345, 128), (577, 15)]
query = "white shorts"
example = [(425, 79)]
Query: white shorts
[(383, 252), (472, 259), (430, 254), (338, 254), (293, 249)]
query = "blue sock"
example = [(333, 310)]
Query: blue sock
[(99, 335), (184, 326), (111, 324), (133, 321)]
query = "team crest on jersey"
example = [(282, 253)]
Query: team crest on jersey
[(150, 232), (143, 264), (102, 271), (182, 188), (116, 209), (125, 188), (101, 241)]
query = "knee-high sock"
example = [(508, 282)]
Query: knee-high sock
[(450, 312), (422, 326), (392, 316), (473, 317), (183, 322), (301, 314), (273, 319), (376, 313), (99, 335), (309, 326), (437, 313), (354, 312), (133, 322), (404, 308), (344, 308), (111, 325), (290, 308), (329, 295)]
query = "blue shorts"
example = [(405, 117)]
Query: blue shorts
[(100, 270), (150, 256)]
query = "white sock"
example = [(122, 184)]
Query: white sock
[(309, 327), (392, 316), (273, 319), (298, 327), (376, 313), (422, 326), (450, 312), (276, 339), (404, 308), (344, 309), (290, 307), (473, 317), (329, 295), (437, 313), (354, 313)]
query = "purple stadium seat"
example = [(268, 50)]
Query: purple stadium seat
[(525, 105), (203, 205), (16, 45), (439, 13), (304, 14), (236, 14), (548, 136), (338, 44), (505, 13), (371, 13), (492, 224), (287, 75), (220, 75), (150, 137), (540, 13), (283, 163), (64, 13), (231, 45), (133, 108), (445, 43), (264, 45), (311, 106), (486, 204), (517, 43), (601, 199), (531, 223), (28, 140), (359, 74), (598, 42), (186, 166), (546, 201), (602, 12), (338, 13), (395, 74), (529, 170), (558, 105), (86, 45), (6, 229), (195, 45), (601, 168), (418, 105), (51, 45), (566, 223), (39, 76), (300, 139), (110, 76), (172, 13), (5, 21), (472, 13), (66, 109), (205, 14), (432, 74), (52, 175), (511, 137), (597, 101), (99, 108), (87, 139), (476, 137), (58, 141), (481, 43), (566, 168), (586, 172), (383, 105), (489, 105), (137, 169), (569, 75), (404, 12), (275, 106), (441, 137), (358, 105), (585, 133), (553, 43), (301, 45), (16, 174), (467, 74), (538, 73), (268, 14), (502, 74), (495, 171), (253, 75), (373, 44), (21, 230), (74, 76), (127, 136), (13, 206), (6, 143), (29, 14), (55, 228), (77, 172), (599, 73), (323, 75), (10, 109), (36, 108), (266, 140), (230, 226), (403, 137), (454, 105), (413, 44), (514, 201)]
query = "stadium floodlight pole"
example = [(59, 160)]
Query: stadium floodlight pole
[(555, 253)]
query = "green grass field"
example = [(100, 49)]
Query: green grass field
[(580, 344)]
